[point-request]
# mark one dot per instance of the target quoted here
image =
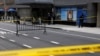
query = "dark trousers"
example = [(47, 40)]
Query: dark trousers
[(81, 23), (49, 20)]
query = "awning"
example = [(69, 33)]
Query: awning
[(1, 10), (11, 10)]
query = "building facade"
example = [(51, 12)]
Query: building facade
[(77, 8), (65, 11)]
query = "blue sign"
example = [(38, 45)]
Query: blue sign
[(63, 15)]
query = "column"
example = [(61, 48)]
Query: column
[(92, 12), (98, 16)]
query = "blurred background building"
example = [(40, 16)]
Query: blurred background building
[(64, 11)]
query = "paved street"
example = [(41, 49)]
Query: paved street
[(38, 39)]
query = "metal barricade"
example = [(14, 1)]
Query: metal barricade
[(29, 25)]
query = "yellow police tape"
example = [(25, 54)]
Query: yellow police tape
[(53, 50), (33, 19)]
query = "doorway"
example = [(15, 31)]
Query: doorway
[(41, 12)]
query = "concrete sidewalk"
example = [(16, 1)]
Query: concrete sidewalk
[(92, 30)]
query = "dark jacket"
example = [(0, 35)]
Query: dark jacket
[(81, 17)]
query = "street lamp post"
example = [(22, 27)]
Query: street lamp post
[(5, 13)]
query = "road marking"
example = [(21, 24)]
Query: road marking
[(13, 31), (27, 46), (8, 30), (76, 35), (12, 40), (54, 42), (2, 32), (36, 37), (25, 34), (2, 37), (93, 38)]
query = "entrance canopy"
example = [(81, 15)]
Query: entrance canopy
[(1, 10), (11, 10)]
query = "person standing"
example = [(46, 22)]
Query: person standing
[(49, 18), (18, 19), (40, 21), (81, 20)]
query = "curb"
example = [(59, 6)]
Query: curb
[(54, 28), (69, 30)]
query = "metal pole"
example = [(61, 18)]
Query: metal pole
[(44, 28), (17, 28), (53, 12), (5, 14)]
